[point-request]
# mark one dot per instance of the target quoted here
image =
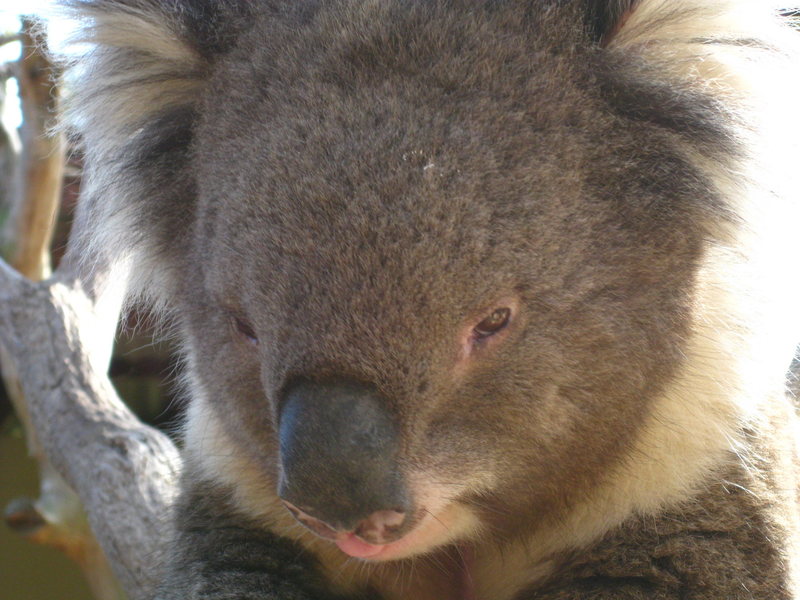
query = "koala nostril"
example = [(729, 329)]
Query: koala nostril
[(380, 526), (377, 528), (388, 519), (321, 528)]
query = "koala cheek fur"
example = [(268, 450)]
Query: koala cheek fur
[(479, 300)]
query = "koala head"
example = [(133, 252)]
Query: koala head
[(433, 263)]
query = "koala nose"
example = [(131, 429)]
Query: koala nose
[(339, 446)]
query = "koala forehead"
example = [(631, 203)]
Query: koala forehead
[(377, 175), (321, 154)]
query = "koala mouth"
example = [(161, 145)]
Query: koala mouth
[(370, 538), (385, 535), (354, 546)]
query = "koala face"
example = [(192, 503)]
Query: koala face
[(426, 300), (492, 281)]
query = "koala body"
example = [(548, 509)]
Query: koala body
[(479, 299)]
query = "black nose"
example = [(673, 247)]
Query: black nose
[(339, 446)]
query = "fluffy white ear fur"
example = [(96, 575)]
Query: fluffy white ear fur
[(126, 63), (746, 322)]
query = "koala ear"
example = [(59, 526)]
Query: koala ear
[(604, 18), (137, 59), (134, 75)]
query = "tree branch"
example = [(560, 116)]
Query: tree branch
[(8, 39), (42, 159), (124, 472)]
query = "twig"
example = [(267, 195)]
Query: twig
[(10, 38)]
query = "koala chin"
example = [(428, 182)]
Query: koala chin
[(478, 299)]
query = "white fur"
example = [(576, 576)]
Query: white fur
[(122, 68)]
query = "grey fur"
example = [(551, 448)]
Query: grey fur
[(357, 183)]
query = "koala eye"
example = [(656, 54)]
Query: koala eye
[(245, 330), (492, 324)]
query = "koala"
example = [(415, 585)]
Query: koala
[(477, 299)]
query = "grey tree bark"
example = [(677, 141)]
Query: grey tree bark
[(124, 472)]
